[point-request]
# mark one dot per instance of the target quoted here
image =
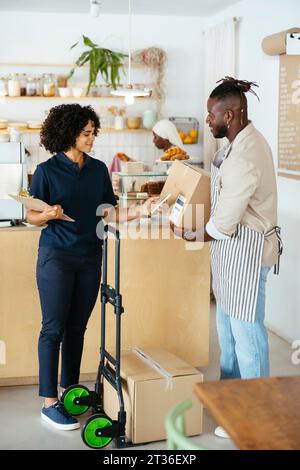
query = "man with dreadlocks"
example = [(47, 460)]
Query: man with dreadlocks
[(245, 240)]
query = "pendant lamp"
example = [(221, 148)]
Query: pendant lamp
[(129, 92)]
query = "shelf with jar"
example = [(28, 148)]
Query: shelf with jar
[(50, 85), (72, 97), (106, 130), (30, 87), (113, 119)]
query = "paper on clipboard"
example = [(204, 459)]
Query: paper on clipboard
[(37, 205)]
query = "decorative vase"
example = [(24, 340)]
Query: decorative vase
[(149, 118), (133, 122), (119, 122)]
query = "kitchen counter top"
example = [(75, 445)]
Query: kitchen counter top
[(21, 228)]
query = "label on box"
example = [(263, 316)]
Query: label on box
[(177, 209)]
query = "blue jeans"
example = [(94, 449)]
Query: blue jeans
[(244, 345)]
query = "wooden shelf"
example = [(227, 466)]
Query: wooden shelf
[(70, 98), (102, 130), (18, 64)]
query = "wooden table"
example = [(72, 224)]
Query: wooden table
[(259, 413)]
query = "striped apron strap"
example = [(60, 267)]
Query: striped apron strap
[(276, 230)]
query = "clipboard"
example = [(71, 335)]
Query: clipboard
[(36, 205)]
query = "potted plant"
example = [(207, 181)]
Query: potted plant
[(102, 60)]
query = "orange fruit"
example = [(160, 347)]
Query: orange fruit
[(181, 135), (193, 133), (188, 140)]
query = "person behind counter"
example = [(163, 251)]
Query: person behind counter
[(69, 259), (166, 138)]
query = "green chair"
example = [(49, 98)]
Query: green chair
[(175, 428)]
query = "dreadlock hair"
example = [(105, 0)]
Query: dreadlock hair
[(231, 87)]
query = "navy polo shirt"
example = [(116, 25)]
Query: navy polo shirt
[(79, 191)]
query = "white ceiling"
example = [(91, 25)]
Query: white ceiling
[(139, 7)]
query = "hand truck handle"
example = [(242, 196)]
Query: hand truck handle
[(114, 231)]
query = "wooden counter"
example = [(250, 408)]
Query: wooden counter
[(165, 294)]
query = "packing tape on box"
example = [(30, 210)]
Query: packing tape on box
[(154, 365), (276, 43)]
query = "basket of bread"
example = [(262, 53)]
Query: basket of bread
[(174, 153)]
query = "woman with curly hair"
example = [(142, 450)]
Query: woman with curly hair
[(70, 253)]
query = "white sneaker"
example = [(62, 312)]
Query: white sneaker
[(220, 432)]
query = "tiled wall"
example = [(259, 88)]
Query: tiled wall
[(137, 145)]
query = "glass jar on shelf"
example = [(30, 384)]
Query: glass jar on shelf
[(39, 85), (104, 90), (3, 86), (49, 84), (23, 83), (31, 87), (13, 85), (93, 91)]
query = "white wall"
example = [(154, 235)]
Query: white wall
[(260, 19), (38, 38), (46, 38)]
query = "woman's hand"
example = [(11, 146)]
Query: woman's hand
[(53, 213), (148, 205)]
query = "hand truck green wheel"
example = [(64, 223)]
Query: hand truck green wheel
[(91, 429), (70, 394)]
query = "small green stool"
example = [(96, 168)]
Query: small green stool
[(175, 428)]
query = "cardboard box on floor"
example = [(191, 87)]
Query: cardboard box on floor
[(147, 398), (194, 185)]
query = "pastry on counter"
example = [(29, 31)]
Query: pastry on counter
[(174, 153), (123, 157), (153, 188)]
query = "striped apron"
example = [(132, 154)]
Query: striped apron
[(236, 262)]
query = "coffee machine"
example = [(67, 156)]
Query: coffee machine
[(13, 177)]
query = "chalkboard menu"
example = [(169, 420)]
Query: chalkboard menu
[(289, 117)]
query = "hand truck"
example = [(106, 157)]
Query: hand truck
[(99, 430)]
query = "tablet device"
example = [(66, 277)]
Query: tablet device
[(155, 208)]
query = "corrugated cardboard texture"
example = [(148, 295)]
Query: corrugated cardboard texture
[(194, 184), (147, 401)]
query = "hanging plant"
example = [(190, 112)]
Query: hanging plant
[(155, 58), (104, 61)]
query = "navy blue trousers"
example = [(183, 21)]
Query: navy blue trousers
[(68, 287)]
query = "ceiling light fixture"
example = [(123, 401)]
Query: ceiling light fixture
[(95, 8), (129, 92)]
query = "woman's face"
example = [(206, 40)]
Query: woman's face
[(85, 140)]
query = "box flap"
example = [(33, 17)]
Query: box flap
[(195, 168), (134, 368), (183, 179)]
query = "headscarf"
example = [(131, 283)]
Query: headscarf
[(167, 130)]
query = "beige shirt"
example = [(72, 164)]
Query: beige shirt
[(248, 191)]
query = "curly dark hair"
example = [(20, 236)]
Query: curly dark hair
[(63, 125)]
